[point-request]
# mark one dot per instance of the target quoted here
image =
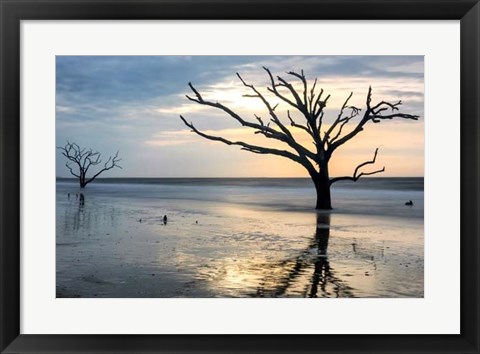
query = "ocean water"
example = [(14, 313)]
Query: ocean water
[(377, 196), (240, 237)]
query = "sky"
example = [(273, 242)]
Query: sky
[(132, 104)]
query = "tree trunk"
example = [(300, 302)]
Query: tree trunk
[(322, 186), (82, 179)]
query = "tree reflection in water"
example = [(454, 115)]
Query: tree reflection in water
[(79, 215), (322, 283)]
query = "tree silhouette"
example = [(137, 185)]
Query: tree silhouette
[(309, 104), (84, 158)]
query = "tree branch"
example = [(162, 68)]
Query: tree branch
[(302, 78), (111, 163), (339, 119), (312, 95), (296, 125), (284, 135), (371, 114), (71, 171), (231, 113), (357, 175), (376, 118), (271, 110), (274, 90), (245, 146)]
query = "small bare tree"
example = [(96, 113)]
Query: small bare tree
[(309, 104), (85, 158)]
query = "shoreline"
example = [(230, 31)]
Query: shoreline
[(380, 202)]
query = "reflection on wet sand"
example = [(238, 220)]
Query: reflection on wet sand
[(84, 217), (322, 282), (79, 216), (228, 250)]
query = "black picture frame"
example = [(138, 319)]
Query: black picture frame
[(14, 11)]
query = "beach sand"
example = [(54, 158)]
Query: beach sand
[(237, 241)]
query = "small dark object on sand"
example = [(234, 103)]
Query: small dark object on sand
[(196, 222), (164, 220), (140, 220), (409, 203)]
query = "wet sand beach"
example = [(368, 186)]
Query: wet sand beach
[(239, 238)]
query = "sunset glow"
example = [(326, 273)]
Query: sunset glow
[(132, 104)]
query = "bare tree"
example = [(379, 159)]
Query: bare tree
[(309, 104), (82, 159)]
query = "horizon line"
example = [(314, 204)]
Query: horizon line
[(98, 178)]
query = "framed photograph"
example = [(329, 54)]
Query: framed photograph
[(199, 176)]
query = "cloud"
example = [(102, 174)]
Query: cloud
[(134, 102)]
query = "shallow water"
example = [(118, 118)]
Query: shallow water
[(239, 238)]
